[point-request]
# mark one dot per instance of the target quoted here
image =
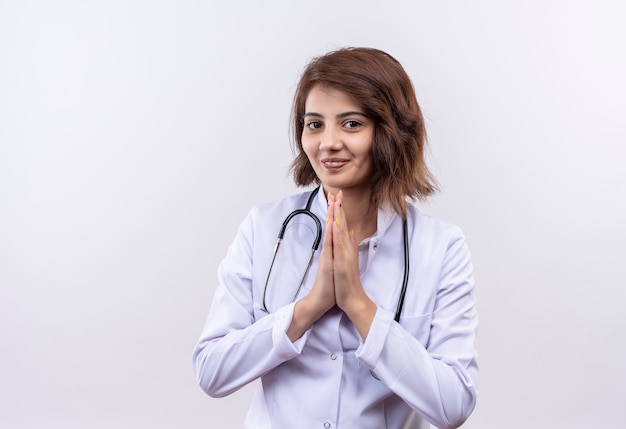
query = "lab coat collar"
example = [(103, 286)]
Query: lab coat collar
[(320, 205), (386, 216)]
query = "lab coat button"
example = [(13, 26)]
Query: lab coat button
[(333, 357), (376, 245), (326, 425)]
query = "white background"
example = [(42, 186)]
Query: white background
[(136, 135)]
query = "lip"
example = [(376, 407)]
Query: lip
[(334, 163)]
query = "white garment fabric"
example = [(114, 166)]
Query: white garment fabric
[(405, 374)]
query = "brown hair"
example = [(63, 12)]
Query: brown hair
[(376, 81)]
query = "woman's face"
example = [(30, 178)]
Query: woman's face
[(337, 138)]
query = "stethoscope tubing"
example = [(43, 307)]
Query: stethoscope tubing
[(307, 211), (316, 243)]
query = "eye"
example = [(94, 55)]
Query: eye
[(352, 124), (313, 125)]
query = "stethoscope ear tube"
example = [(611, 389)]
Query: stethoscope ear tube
[(318, 224), (405, 279), (316, 244), (269, 272), (304, 275)]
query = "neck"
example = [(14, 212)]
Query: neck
[(360, 214)]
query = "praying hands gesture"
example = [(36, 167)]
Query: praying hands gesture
[(338, 281)]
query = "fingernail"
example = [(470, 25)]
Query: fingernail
[(352, 231), (327, 218), (337, 221)]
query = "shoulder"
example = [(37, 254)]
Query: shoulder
[(438, 241), (431, 227), (265, 219), (267, 215), (283, 205)]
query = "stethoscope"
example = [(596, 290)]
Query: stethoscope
[(318, 238)]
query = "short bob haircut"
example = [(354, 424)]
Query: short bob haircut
[(376, 81)]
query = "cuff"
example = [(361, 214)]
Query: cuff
[(282, 344), (369, 352)]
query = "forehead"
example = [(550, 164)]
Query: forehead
[(330, 98)]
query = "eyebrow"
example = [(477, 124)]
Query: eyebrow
[(339, 116)]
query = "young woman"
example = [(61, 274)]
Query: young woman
[(375, 327)]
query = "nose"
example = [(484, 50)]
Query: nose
[(330, 139)]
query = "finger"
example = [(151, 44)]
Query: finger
[(327, 243), (340, 228), (323, 290), (330, 198), (338, 207)]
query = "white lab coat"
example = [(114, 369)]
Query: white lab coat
[(422, 369)]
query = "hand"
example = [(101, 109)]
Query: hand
[(349, 293), (323, 290), (338, 279), (321, 298), (346, 275)]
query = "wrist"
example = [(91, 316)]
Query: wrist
[(311, 309), (305, 313), (361, 312)]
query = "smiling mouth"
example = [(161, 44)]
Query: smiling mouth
[(334, 163)]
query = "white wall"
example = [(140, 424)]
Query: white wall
[(135, 135)]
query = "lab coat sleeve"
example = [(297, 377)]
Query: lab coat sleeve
[(234, 349), (437, 379)]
